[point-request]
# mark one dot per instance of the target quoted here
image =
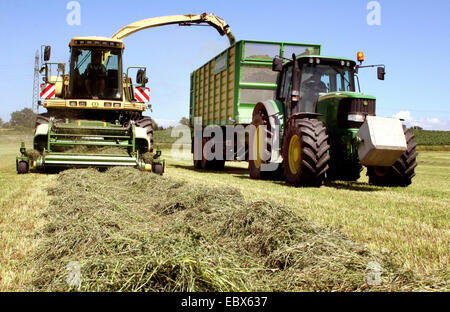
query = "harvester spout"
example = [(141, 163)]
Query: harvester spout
[(183, 20)]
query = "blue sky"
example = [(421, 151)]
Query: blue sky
[(413, 41)]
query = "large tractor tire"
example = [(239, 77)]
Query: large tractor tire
[(146, 122), (262, 125), (305, 152), (402, 172)]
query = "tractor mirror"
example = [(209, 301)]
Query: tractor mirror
[(277, 64), (381, 73), (47, 53)]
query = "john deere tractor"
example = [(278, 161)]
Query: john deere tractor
[(328, 130), (94, 113)]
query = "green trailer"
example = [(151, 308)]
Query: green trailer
[(226, 89)]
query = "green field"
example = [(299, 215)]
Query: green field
[(407, 227)]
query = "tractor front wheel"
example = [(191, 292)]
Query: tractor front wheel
[(402, 172), (305, 152)]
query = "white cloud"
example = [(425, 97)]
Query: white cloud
[(425, 123)]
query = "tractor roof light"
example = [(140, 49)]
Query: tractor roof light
[(360, 57)]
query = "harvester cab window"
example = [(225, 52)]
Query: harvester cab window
[(95, 74)]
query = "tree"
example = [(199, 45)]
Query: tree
[(155, 125), (184, 121), (25, 118), (1, 122)]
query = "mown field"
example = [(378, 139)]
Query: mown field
[(193, 230)]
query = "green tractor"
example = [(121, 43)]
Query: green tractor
[(320, 128)]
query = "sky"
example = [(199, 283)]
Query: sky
[(412, 40)]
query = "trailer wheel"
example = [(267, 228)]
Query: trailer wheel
[(305, 152), (147, 123), (262, 124), (22, 167), (402, 172)]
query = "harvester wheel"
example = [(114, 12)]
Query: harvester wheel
[(305, 152), (256, 156), (402, 172), (22, 167), (158, 168), (42, 119), (146, 122)]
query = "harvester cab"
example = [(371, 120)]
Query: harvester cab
[(95, 112), (329, 130)]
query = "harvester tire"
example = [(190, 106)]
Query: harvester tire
[(262, 124), (22, 167), (305, 152), (146, 122), (402, 172), (41, 119), (157, 168)]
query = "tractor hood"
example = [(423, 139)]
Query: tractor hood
[(345, 110), (341, 95)]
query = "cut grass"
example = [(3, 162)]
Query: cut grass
[(156, 234), (410, 225)]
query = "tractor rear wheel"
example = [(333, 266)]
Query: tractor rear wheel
[(305, 152), (256, 156), (147, 123), (402, 172)]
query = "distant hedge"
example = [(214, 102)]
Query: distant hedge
[(429, 137)]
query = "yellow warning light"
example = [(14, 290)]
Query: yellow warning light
[(361, 57)]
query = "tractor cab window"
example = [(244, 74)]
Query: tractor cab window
[(95, 73), (318, 80), (285, 83)]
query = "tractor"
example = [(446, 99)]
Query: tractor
[(320, 127)]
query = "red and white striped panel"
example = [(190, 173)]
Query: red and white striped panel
[(142, 94), (48, 91)]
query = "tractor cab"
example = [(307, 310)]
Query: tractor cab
[(96, 69), (314, 78)]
